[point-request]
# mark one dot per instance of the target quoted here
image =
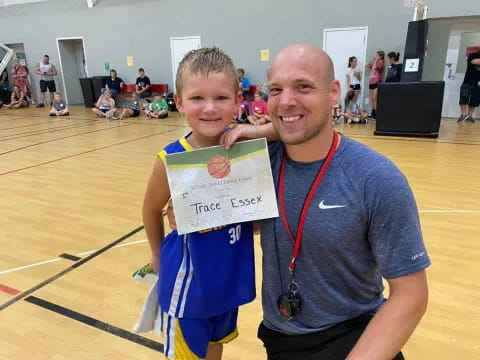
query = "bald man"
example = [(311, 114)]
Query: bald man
[(352, 217)]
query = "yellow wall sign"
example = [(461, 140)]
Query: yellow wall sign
[(265, 55), (130, 60)]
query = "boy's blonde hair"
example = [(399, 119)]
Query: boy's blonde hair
[(204, 61)]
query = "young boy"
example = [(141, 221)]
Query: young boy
[(59, 106), (134, 110), (159, 108), (203, 276)]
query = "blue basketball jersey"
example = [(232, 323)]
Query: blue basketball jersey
[(206, 273)]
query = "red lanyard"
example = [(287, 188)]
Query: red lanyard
[(303, 216)]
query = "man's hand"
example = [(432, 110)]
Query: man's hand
[(246, 132)]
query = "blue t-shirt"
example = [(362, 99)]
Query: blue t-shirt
[(245, 85), (114, 84), (206, 273), (362, 224)]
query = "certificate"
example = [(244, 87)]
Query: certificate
[(213, 187)]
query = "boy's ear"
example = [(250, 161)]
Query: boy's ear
[(178, 102)]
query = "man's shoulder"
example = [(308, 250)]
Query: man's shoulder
[(360, 161)]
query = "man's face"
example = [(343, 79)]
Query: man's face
[(141, 74), (300, 98), (46, 60)]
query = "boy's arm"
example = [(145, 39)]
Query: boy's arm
[(244, 132), (156, 196)]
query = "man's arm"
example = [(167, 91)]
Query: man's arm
[(476, 61), (396, 320), (53, 71), (37, 69), (156, 196)]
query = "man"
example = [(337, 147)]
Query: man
[(470, 89), (359, 224), (47, 71), (142, 85), (362, 225)]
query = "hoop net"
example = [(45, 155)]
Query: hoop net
[(414, 3)]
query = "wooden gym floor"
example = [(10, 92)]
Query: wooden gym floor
[(75, 185)]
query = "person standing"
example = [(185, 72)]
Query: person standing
[(470, 89), (19, 75), (376, 66), (348, 219), (394, 71), (47, 71)]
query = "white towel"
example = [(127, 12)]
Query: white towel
[(150, 318)]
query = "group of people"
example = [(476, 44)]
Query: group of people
[(106, 107), (353, 113), (357, 223)]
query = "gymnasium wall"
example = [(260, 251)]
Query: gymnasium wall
[(115, 29)]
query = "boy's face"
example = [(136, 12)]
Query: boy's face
[(58, 98), (208, 102)]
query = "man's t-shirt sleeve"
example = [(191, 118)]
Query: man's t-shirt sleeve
[(394, 230)]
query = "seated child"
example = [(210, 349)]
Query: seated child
[(134, 110), (59, 106), (259, 111), (353, 112), (105, 106), (158, 108), (18, 99), (241, 116)]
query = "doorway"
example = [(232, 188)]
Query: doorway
[(180, 46), (73, 65), (340, 44), (464, 33)]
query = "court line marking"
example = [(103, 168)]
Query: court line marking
[(85, 152), (60, 258), (98, 324), (62, 138), (42, 123), (48, 130), (400, 138), (68, 269), (8, 290)]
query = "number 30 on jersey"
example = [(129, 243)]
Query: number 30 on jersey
[(235, 234)]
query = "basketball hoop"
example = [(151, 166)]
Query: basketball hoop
[(421, 9)]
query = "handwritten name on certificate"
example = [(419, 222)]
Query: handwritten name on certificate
[(214, 187)]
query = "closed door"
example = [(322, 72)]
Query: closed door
[(341, 44), (180, 46)]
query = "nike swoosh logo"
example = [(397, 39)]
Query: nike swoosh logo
[(322, 206)]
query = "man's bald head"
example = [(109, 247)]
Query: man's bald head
[(312, 56)]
